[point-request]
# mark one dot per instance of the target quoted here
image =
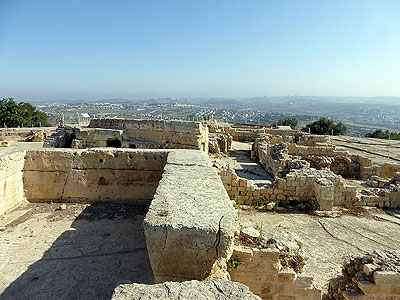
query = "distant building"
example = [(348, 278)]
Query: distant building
[(283, 127)]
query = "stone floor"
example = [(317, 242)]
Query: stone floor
[(239, 160), (381, 151), (71, 251), (327, 241)]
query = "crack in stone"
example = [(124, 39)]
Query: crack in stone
[(218, 237), (339, 239), (162, 250)]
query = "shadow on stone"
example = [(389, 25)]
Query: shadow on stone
[(104, 246)]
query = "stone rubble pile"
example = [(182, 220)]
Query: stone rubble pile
[(373, 276)]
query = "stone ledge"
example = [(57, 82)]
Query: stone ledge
[(188, 290)]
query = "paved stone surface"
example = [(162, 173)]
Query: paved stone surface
[(381, 151), (188, 290), (71, 251), (328, 241), (239, 160)]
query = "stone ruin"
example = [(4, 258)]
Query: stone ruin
[(9, 135), (132, 133), (191, 227)]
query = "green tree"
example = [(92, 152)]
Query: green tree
[(325, 126), (380, 134), (13, 114), (292, 122)]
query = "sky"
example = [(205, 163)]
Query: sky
[(52, 49)]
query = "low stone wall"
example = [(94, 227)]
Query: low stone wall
[(93, 175), (219, 143), (374, 276), (262, 272), (382, 192), (11, 187), (28, 134), (191, 221), (95, 137), (249, 134), (143, 133), (273, 158), (384, 171), (307, 185)]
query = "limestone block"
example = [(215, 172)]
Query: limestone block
[(201, 290), (195, 237), (11, 183), (189, 158), (386, 278), (243, 254), (58, 160), (97, 134)]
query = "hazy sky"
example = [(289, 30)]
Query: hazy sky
[(138, 49)]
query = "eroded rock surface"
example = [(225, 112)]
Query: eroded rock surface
[(200, 290)]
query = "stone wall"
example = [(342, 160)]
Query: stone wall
[(305, 185), (273, 157), (249, 134), (382, 192), (374, 276), (28, 134), (191, 221), (93, 175), (262, 272), (11, 187), (146, 134)]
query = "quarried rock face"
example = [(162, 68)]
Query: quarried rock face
[(93, 175), (188, 290), (191, 221), (11, 187)]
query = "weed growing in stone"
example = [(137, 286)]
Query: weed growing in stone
[(260, 202), (234, 264), (164, 213), (335, 192), (353, 207)]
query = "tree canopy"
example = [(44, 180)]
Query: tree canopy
[(13, 114), (325, 126), (292, 122), (380, 134)]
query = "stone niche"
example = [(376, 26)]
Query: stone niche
[(190, 224)]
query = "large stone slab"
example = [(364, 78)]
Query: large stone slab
[(191, 221), (188, 290), (93, 175), (11, 183)]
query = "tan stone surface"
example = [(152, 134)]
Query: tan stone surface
[(191, 221)]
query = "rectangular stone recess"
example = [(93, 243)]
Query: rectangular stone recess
[(191, 221), (62, 175), (11, 189)]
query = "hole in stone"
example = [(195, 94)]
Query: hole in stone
[(102, 181), (115, 143)]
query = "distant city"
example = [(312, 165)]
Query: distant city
[(361, 115)]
